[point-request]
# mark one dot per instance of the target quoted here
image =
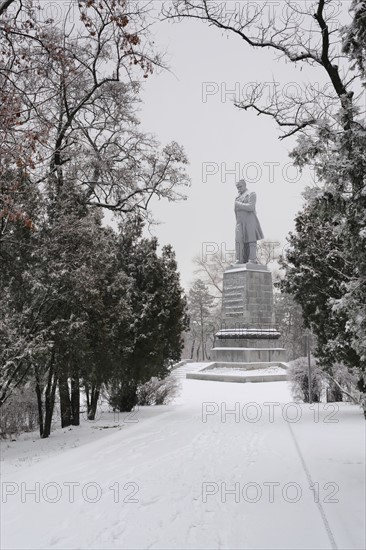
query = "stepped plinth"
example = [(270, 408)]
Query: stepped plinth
[(248, 336)]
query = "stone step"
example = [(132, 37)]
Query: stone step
[(211, 376), (183, 368), (246, 366)]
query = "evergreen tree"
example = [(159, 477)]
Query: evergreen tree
[(316, 271), (158, 310)]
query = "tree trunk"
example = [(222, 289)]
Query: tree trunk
[(361, 386), (65, 401), (50, 397), (202, 337), (192, 348), (198, 352), (39, 405), (75, 400), (92, 406), (205, 348), (87, 395)]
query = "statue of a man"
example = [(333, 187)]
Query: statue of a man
[(248, 230)]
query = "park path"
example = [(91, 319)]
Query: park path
[(192, 475)]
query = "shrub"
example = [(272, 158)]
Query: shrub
[(339, 383), (19, 413), (346, 379), (299, 379), (158, 392)]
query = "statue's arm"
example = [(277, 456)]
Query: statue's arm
[(247, 206)]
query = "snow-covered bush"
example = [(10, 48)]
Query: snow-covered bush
[(158, 392), (124, 396), (342, 384), (19, 413), (338, 383), (298, 375)]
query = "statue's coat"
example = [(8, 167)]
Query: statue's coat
[(248, 228)]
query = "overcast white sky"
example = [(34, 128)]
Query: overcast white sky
[(214, 131)]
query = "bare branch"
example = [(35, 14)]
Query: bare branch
[(298, 42), (5, 5)]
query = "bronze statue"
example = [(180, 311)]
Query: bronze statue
[(248, 230)]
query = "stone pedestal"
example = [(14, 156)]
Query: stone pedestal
[(247, 297), (248, 335)]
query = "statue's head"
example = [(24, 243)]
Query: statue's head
[(241, 185)]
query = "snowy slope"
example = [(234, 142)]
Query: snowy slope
[(173, 465)]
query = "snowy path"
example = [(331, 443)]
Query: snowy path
[(175, 467)]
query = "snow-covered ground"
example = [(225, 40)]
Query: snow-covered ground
[(193, 475)]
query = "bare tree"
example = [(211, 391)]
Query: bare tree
[(211, 266), (202, 314), (69, 97), (290, 323), (210, 269), (5, 4), (308, 35)]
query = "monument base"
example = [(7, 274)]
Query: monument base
[(248, 337), (247, 301), (248, 355)]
